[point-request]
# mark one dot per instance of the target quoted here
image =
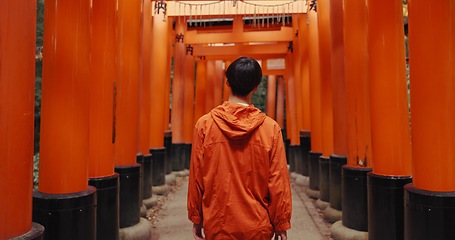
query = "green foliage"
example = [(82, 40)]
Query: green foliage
[(259, 97), (35, 170), (39, 22), (38, 71)]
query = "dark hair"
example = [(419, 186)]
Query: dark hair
[(243, 75)]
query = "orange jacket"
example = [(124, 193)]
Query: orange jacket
[(239, 182)]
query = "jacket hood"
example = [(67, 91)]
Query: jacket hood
[(237, 121)]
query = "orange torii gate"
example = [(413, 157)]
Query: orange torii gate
[(73, 134)]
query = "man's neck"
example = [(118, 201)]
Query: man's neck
[(241, 100)]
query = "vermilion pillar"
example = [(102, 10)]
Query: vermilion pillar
[(271, 96), (290, 96), (158, 83), (297, 84), (304, 97), (315, 104), (101, 122), (210, 86), (188, 110), (167, 127), (339, 156), (168, 60), (17, 82), (298, 106), (280, 108), (354, 182), (226, 90), (287, 125), (326, 98), (219, 82), (280, 101), (291, 117), (177, 155), (390, 135), (159, 102), (200, 90), (126, 107), (338, 78), (430, 199), (305, 71), (167, 102), (143, 155), (64, 200)]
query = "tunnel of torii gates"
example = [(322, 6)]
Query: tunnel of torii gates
[(337, 68)]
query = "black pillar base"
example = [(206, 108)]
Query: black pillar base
[(298, 160), (168, 154), (146, 183), (324, 181), (36, 233), (158, 166), (66, 216), (354, 194), (287, 142), (177, 156), (130, 194), (428, 214), (291, 160), (107, 207), (305, 146), (295, 151), (335, 164), (385, 206), (314, 169), (187, 157)]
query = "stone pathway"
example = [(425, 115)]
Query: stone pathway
[(169, 217)]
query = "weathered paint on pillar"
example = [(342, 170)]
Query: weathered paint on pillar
[(280, 101), (127, 91), (65, 99), (102, 78), (305, 72), (210, 86), (101, 123), (188, 108), (200, 91), (432, 61), (359, 162), (158, 88), (337, 78), (17, 82), (271, 96), (178, 83), (390, 130), (357, 87), (325, 76), (315, 83)]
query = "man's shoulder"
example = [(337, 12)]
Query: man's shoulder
[(204, 120), (271, 122)]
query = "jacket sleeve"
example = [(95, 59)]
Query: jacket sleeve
[(280, 197), (195, 186)]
